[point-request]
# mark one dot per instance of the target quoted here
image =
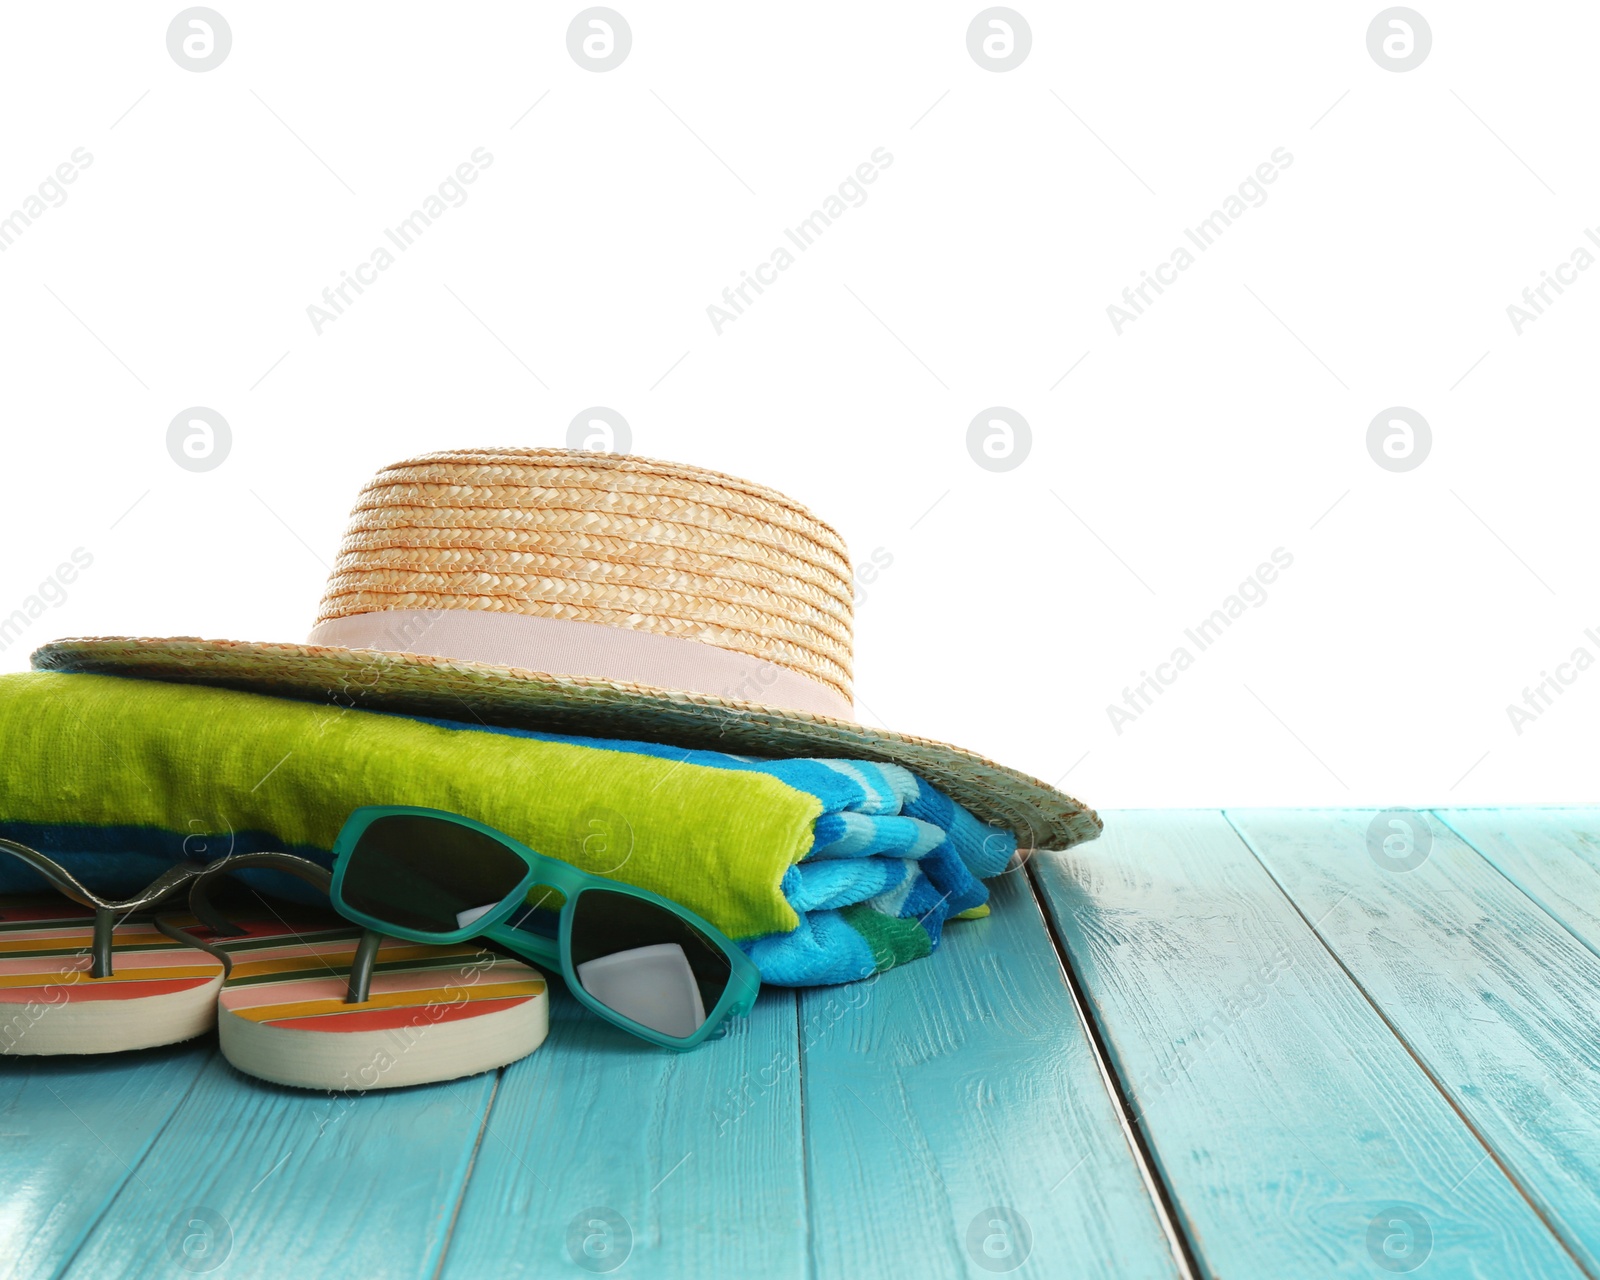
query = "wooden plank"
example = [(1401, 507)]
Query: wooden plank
[(677, 1164), (72, 1131), (293, 1182), (948, 1094), (1497, 1000), (1297, 1134), (1552, 855)]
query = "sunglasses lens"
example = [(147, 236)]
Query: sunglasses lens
[(645, 963), (427, 874)]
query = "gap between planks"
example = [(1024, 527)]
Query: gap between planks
[(133, 1169), (804, 1115), (1478, 1136), (466, 1176), (1166, 1207), (1579, 936)]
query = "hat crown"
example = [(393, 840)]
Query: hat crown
[(621, 541)]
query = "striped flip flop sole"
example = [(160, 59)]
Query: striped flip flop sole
[(432, 1013), (159, 991)]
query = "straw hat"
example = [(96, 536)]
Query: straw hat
[(597, 594)]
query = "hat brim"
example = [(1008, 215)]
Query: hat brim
[(1041, 816)]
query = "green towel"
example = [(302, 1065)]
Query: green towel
[(823, 870)]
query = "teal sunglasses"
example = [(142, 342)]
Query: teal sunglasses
[(647, 964)]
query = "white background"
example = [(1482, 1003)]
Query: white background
[(1229, 420)]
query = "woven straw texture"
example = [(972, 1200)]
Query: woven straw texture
[(611, 539), (626, 542)]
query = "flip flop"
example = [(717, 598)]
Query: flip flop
[(299, 997), (160, 990), (420, 1013), (431, 1013)]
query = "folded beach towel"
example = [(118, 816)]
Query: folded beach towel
[(823, 870)]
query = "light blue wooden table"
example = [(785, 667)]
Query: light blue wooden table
[(1278, 1044)]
